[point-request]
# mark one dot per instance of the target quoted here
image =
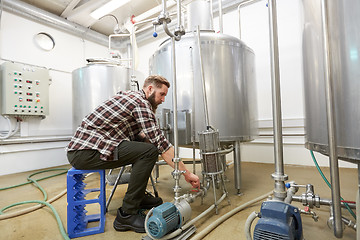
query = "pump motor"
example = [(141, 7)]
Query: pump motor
[(278, 221), (167, 218)]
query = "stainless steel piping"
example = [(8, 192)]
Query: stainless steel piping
[(176, 173), (237, 167), (133, 36), (28, 11), (331, 123), (212, 13), (220, 16), (164, 19), (179, 25), (242, 4), (324, 202), (170, 34), (358, 205), (163, 6), (206, 111), (278, 176)]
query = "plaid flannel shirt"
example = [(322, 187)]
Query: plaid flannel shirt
[(122, 117)]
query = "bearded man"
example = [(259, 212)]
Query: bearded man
[(122, 131)]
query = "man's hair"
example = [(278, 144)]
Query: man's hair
[(157, 80)]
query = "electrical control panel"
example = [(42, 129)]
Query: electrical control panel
[(24, 90)]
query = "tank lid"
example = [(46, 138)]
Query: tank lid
[(107, 61)]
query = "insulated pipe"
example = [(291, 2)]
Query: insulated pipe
[(244, 3), (278, 176), (28, 11), (248, 224), (331, 123), (224, 217), (206, 111), (187, 225)]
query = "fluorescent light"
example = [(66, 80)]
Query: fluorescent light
[(108, 8), (153, 11)]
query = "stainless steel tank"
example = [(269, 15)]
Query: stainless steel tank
[(344, 23), (96, 83), (230, 86)]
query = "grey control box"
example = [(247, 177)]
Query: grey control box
[(24, 90)]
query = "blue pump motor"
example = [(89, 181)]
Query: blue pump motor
[(278, 221), (165, 218)]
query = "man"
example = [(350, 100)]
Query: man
[(122, 131)]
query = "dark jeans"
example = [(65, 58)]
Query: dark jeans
[(141, 155)]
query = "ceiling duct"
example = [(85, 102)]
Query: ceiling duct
[(36, 14)]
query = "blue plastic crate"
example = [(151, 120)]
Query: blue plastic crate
[(77, 218)]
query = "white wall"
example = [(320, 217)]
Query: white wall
[(70, 53)]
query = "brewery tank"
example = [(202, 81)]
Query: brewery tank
[(95, 83), (344, 28), (229, 74)]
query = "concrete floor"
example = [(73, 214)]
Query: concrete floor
[(256, 181)]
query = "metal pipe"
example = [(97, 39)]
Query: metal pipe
[(116, 35), (331, 123), (179, 26), (38, 15), (278, 176), (242, 4), (206, 111), (193, 122), (358, 205), (176, 172), (324, 202), (237, 167), (176, 137), (170, 34), (35, 140), (33, 149), (248, 224), (349, 223), (220, 16), (163, 6), (212, 13)]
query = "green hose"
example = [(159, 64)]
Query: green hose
[(22, 184), (328, 183), (30, 180)]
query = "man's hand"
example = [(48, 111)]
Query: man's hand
[(192, 179)]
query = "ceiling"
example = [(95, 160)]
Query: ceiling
[(78, 11)]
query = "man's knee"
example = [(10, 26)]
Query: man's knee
[(152, 152)]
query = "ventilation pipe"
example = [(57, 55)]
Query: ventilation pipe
[(33, 13)]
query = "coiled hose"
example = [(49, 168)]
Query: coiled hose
[(41, 203)]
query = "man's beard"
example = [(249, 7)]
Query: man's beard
[(151, 99)]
